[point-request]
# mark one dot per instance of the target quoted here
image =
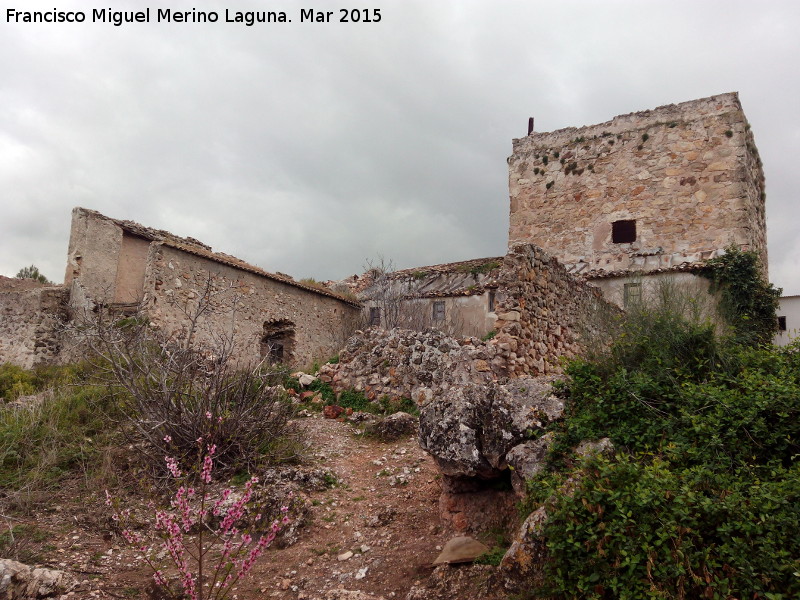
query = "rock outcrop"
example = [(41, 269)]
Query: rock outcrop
[(21, 582), (470, 430)]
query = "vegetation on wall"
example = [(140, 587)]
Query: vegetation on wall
[(701, 495), (747, 301)]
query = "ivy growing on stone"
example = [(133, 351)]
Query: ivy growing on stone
[(747, 301)]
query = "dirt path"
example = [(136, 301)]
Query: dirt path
[(371, 535)]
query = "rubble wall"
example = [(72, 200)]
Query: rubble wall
[(689, 174), (31, 316), (401, 363), (543, 313)]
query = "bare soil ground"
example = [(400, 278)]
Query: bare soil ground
[(373, 534)]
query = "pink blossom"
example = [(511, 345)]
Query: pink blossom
[(172, 465), (188, 546)]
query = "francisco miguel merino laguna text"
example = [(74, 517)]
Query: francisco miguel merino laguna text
[(167, 15)]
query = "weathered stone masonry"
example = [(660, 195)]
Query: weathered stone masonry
[(125, 266), (542, 313), (688, 174), (31, 321), (245, 303)]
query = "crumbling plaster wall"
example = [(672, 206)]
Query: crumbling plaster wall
[(241, 304), (31, 319), (688, 174), (93, 254), (686, 285), (464, 315)]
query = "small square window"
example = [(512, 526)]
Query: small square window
[(374, 316), (623, 232), (781, 323), (438, 310), (633, 293)]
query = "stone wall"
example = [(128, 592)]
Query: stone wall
[(688, 174), (31, 315), (542, 311), (241, 304)]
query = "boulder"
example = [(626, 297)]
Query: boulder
[(528, 459), (461, 549), (21, 582), (394, 426), (469, 430)]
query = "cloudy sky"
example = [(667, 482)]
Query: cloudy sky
[(307, 148)]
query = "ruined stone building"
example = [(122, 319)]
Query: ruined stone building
[(123, 265), (457, 298), (642, 197), (643, 194)]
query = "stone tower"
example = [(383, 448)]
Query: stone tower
[(645, 193)]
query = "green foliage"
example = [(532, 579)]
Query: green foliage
[(489, 335), (355, 400), (16, 381), (419, 275), (390, 406), (748, 302), (43, 440), (32, 272), (645, 137), (646, 529), (480, 268), (729, 133), (492, 556), (702, 498)]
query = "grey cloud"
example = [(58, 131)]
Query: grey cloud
[(307, 148)]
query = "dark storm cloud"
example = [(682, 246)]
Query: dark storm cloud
[(307, 148)]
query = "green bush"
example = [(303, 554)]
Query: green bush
[(702, 496), (15, 382), (43, 440), (748, 302), (645, 529)]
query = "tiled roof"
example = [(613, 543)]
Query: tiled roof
[(232, 261), (198, 248)]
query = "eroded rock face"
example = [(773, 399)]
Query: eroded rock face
[(21, 582), (528, 459), (470, 430)]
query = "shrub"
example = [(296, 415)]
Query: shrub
[(748, 302), (32, 272), (43, 440), (701, 496), (15, 382), (210, 557), (644, 529), (177, 388)]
